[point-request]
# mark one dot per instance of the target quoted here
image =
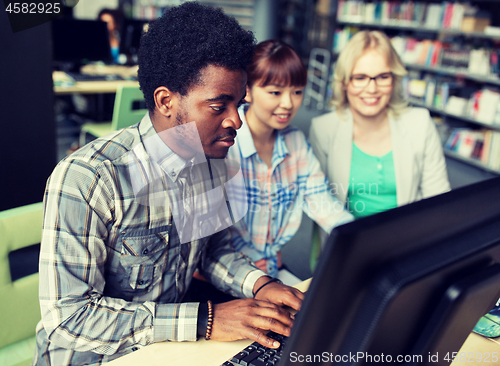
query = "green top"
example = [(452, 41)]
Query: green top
[(372, 186)]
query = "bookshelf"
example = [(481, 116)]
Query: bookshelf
[(484, 79), (469, 161), (452, 52), (406, 26), (459, 73), (441, 112), (284, 19), (242, 10)]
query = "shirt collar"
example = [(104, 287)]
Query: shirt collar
[(160, 153), (245, 139)]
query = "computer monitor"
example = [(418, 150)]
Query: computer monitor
[(403, 285), (77, 42), (130, 38)]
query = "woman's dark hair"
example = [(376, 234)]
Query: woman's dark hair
[(185, 40), (115, 13), (275, 62)]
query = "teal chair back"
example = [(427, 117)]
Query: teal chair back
[(315, 247), (123, 113), (19, 306)]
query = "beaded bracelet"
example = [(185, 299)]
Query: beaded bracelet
[(267, 283), (210, 320)]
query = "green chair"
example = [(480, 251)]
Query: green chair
[(315, 247), (19, 306), (124, 114)]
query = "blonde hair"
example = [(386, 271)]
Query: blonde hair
[(355, 48)]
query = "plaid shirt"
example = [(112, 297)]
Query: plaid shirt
[(113, 270), (277, 196)]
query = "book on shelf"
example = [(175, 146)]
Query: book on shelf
[(486, 106), (342, 36), (417, 89), (475, 20), (399, 44), (479, 62), (482, 146), (494, 154), (457, 15), (477, 148), (486, 147), (494, 62), (456, 105), (467, 142), (434, 15), (419, 12), (443, 92), (455, 58), (430, 92), (447, 13), (370, 13)]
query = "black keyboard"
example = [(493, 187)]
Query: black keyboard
[(258, 355)]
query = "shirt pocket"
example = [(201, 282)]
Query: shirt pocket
[(144, 255)]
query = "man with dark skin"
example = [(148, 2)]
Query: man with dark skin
[(113, 271), (213, 106)]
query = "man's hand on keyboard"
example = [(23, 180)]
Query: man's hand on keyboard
[(281, 295), (252, 319)]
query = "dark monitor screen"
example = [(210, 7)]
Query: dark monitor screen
[(408, 282), (80, 41), (130, 37)]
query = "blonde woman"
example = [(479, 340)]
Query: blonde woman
[(377, 152)]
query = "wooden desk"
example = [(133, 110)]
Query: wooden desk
[(93, 87), (214, 353), (477, 347), (96, 87)]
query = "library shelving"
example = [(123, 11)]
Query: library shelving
[(443, 113), (284, 19), (402, 26), (242, 10)]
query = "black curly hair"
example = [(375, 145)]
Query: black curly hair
[(185, 40)]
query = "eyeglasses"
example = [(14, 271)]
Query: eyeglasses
[(362, 80)]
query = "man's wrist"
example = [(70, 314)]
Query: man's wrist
[(261, 281), (272, 280), (201, 325)]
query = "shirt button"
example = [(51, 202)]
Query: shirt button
[(172, 173), (379, 166)]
